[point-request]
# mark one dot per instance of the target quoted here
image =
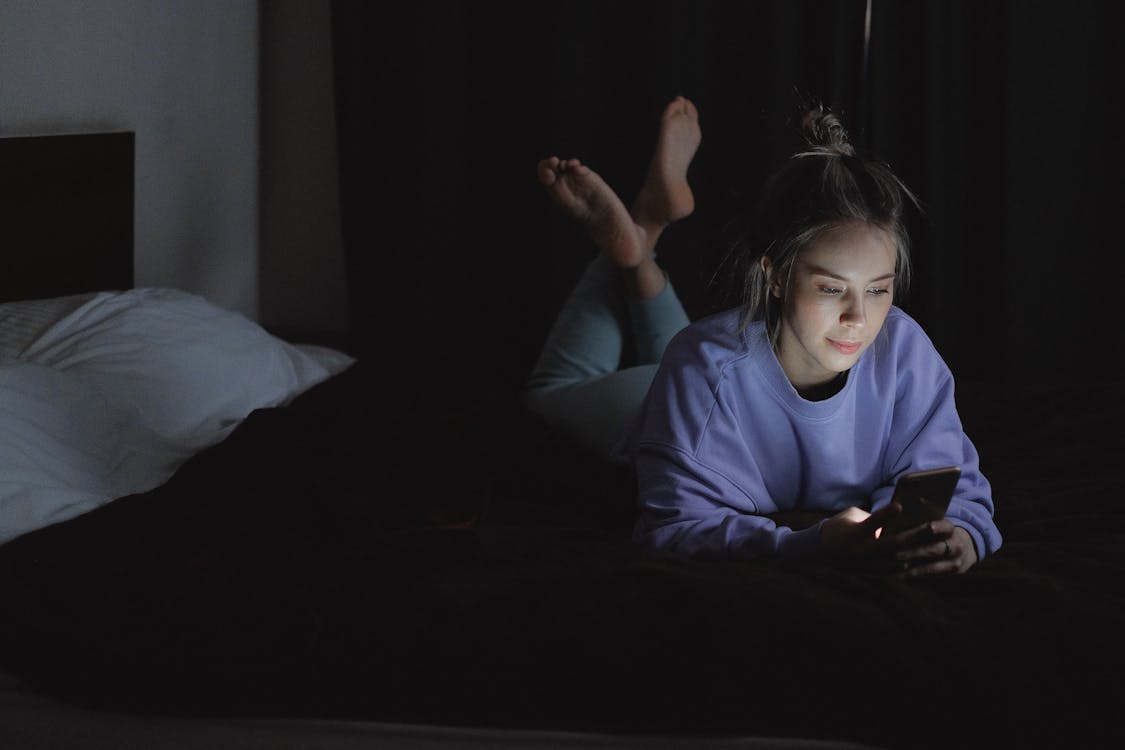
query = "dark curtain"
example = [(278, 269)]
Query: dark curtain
[(457, 262), (1005, 117), (999, 114)]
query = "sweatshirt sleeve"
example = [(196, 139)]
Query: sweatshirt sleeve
[(927, 433), (700, 491), (693, 509)]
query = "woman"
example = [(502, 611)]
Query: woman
[(809, 400)]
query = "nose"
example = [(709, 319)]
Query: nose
[(853, 315)]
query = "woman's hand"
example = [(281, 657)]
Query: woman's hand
[(933, 548), (849, 536)]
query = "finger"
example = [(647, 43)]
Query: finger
[(931, 568), (922, 534), (881, 516), (957, 563), (942, 529), (938, 550)]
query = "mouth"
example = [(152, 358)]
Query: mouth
[(846, 347)]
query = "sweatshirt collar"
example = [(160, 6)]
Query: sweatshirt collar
[(769, 368)]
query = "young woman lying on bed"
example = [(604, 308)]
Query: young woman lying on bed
[(815, 395)]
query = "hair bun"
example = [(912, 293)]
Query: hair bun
[(825, 131)]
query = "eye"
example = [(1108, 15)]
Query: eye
[(878, 291), (830, 290)]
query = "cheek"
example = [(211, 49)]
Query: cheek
[(810, 309), (881, 309), (823, 313)]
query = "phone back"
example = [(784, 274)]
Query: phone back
[(924, 497)]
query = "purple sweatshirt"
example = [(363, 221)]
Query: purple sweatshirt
[(723, 439)]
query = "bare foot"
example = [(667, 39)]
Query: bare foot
[(586, 198), (666, 196)]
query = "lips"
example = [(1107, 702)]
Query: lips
[(846, 347)]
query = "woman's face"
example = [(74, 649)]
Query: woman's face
[(836, 299)]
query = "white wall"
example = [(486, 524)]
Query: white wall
[(182, 74)]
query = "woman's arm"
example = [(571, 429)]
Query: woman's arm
[(696, 510), (927, 433)]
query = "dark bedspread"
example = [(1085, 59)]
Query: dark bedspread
[(341, 558)]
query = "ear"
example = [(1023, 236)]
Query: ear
[(767, 270)]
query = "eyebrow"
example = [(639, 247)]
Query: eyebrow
[(819, 271)]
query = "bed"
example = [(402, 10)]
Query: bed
[(208, 541)]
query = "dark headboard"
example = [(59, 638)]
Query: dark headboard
[(66, 214)]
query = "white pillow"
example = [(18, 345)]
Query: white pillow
[(64, 450), (107, 395), (24, 321), (178, 365)]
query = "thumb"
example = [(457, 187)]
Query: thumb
[(877, 519)]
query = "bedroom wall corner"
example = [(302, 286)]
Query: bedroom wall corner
[(301, 278), (184, 77)]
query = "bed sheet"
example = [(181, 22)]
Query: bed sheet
[(300, 569), (31, 722)]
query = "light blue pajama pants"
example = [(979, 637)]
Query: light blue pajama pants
[(600, 357)]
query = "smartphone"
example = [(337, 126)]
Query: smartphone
[(924, 496)]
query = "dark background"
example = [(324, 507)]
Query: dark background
[(1002, 116)]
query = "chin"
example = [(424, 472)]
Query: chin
[(837, 363)]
